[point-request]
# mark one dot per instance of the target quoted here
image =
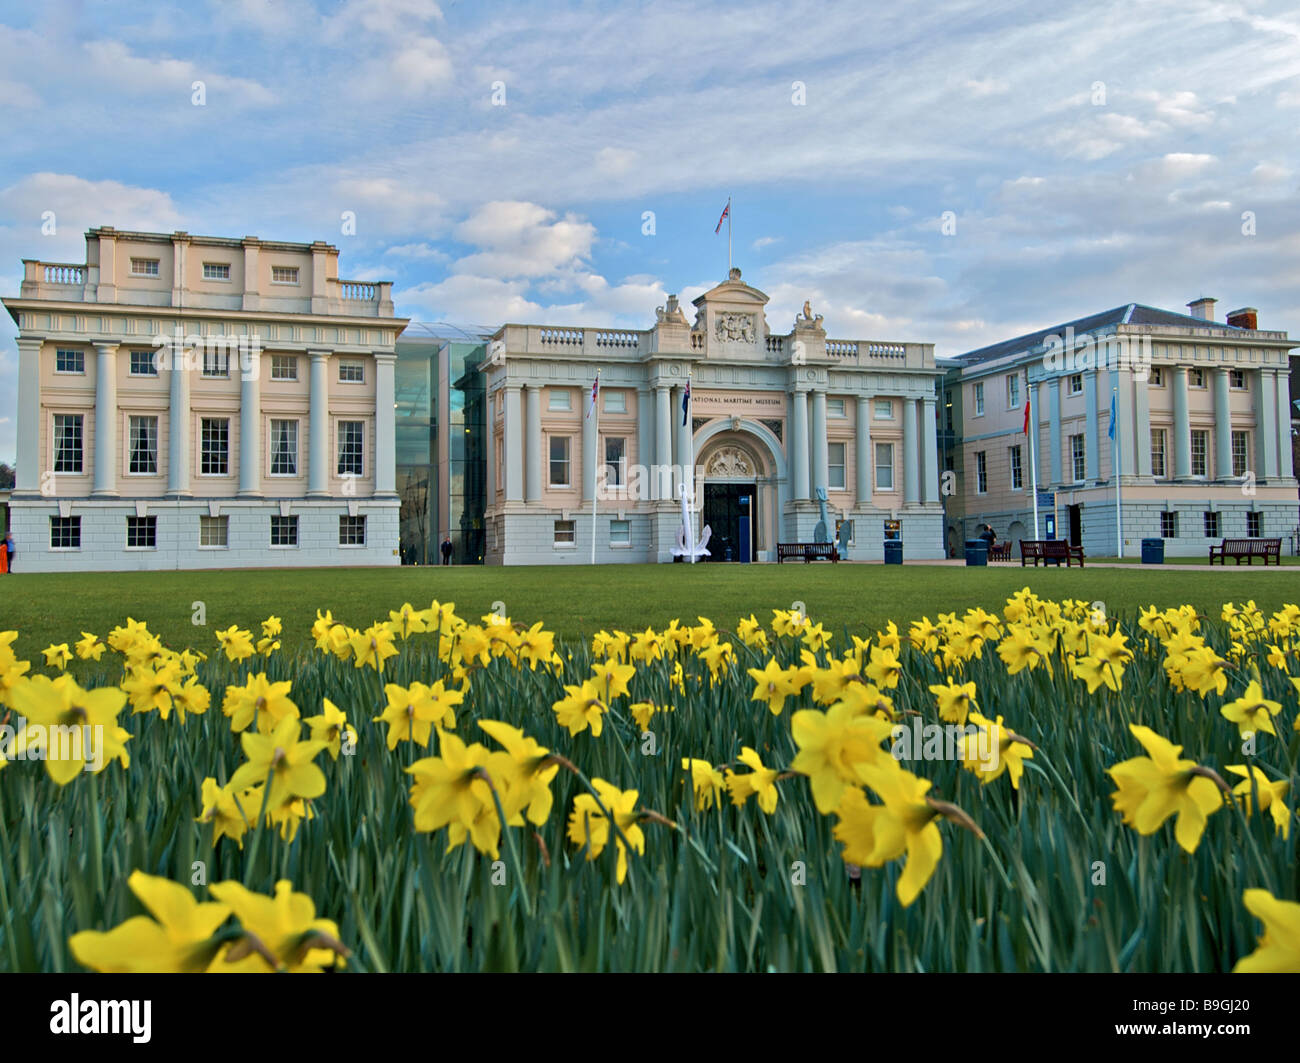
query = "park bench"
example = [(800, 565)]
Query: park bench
[(1049, 550), (1000, 551), (1247, 548), (807, 551)]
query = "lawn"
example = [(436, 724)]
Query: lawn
[(56, 607)]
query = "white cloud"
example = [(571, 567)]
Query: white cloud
[(79, 204), (112, 63), (523, 240), (990, 86)]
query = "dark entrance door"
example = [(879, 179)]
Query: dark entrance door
[(1076, 525), (722, 514)]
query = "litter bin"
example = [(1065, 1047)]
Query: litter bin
[(1153, 551), (893, 551), (977, 552)]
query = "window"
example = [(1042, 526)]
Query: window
[(620, 533), (214, 532), (1013, 391), (1240, 450), (65, 533), (1076, 384), (216, 361), (835, 408), (979, 400), (143, 436), (559, 461), (214, 446), (144, 267), (284, 274), (352, 531), (981, 473), (616, 402), (1254, 524), (1237, 379), (141, 533), (66, 361), (884, 466), (1211, 525), (284, 531), (1200, 452), (284, 367), (1196, 377), (1168, 525), (352, 372), (284, 448), (216, 271), (615, 461), (67, 442), (835, 476), (1157, 377), (558, 399), (1078, 458), (352, 448), (142, 364), (883, 410), (1158, 452), (1017, 470), (566, 533)]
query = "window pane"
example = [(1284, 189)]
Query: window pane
[(144, 445), (351, 448)]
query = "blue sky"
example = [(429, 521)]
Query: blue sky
[(1092, 153)]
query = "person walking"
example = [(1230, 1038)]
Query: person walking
[(7, 558), (446, 549)]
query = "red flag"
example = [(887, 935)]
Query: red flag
[(726, 212), (1025, 427)]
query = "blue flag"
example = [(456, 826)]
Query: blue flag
[(1111, 431)]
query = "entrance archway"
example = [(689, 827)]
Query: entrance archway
[(738, 459)]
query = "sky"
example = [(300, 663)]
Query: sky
[(954, 172)]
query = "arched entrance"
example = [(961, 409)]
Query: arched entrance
[(739, 474)]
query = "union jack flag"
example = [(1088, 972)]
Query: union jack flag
[(726, 213)]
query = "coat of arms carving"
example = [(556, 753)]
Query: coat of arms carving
[(729, 462), (735, 327)]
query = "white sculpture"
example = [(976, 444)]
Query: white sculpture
[(686, 545)]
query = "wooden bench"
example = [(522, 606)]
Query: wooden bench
[(1000, 552), (1247, 548), (807, 551), (1047, 551)]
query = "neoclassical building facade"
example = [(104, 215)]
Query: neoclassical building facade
[(202, 402), (776, 421)]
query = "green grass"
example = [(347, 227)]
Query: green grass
[(49, 608)]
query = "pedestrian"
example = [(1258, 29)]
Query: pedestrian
[(7, 562), (446, 549), (989, 536)]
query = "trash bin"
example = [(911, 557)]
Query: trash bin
[(977, 552), (893, 551), (1153, 551)]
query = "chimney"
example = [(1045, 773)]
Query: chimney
[(1246, 317), (1202, 308)]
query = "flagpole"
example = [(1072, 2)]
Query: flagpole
[(728, 235), (1033, 459), (689, 471), (1119, 517), (595, 478)]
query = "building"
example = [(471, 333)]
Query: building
[(199, 402), (441, 464), (774, 418), (1203, 419)]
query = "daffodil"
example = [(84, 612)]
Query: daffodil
[(954, 700), (1252, 711), (707, 782), (1160, 785), (1272, 795), (760, 782), (230, 818), (71, 729), (259, 700), (373, 647), (772, 685), (452, 790), (527, 770), (287, 761), (1278, 950), (583, 706), (89, 647), (236, 644), (589, 827), (331, 727), (412, 712), (994, 750), (285, 927), (831, 746), (57, 656)]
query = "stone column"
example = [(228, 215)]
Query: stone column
[(1121, 382), (799, 446), (930, 434), (250, 431), (1266, 427), (533, 444), (511, 442), (490, 447), (318, 427), (820, 444), (178, 426), (1142, 415), (910, 445), (28, 469), (105, 420), (1222, 425), (1182, 441), (863, 451), (1283, 388), (1054, 427), (661, 484), (385, 424), (1091, 457)]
